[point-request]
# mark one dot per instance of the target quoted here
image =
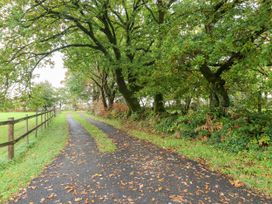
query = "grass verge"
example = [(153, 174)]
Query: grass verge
[(29, 164), (103, 142), (243, 168)]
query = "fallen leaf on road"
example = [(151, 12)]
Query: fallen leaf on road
[(177, 198), (78, 199), (42, 200), (96, 175), (52, 195), (237, 183), (141, 186)]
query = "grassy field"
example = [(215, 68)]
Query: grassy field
[(243, 168), (31, 159), (103, 142), (6, 115), (19, 129)]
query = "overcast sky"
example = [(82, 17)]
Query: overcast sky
[(54, 74)]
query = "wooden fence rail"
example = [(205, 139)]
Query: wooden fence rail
[(45, 119)]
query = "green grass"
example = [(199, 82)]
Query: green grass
[(5, 115), (19, 129), (245, 166), (31, 159), (103, 142)]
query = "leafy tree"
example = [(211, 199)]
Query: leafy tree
[(99, 24), (176, 52), (95, 74), (221, 36), (42, 96), (61, 97)]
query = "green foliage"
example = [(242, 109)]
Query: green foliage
[(76, 85), (42, 96), (197, 48), (239, 132), (249, 131), (184, 124), (5, 104)]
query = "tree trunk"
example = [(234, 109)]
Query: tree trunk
[(219, 98), (131, 100), (158, 103), (110, 92), (188, 101), (103, 97), (110, 102), (178, 103), (95, 93), (111, 97), (259, 101), (214, 101), (158, 99)]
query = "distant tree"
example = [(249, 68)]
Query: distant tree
[(42, 96), (62, 97)]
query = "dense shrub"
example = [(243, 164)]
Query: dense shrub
[(118, 110), (183, 124), (235, 132)]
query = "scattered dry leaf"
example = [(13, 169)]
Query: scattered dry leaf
[(177, 198), (78, 199), (237, 183)]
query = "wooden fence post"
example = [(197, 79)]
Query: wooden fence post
[(27, 137), (49, 117), (46, 118), (41, 120), (11, 138), (36, 132)]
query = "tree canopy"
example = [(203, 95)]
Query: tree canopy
[(163, 51)]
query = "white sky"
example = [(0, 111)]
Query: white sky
[(53, 74)]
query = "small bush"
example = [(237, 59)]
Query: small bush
[(98, 109), (119, 110)]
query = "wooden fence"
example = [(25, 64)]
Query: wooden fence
[(44, 122)]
